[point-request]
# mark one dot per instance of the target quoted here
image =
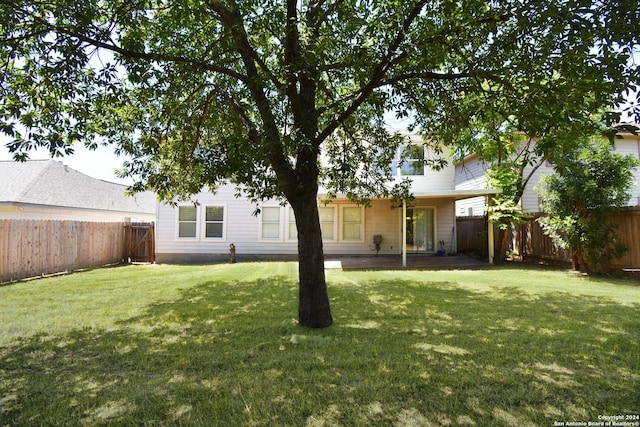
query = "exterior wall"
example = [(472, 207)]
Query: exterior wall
[(242, 229), (379, 219), (470, 175), (631, 146), (626, 147), (433, 182), (530, 201), (445, 221), (70, 214), (8, 212)]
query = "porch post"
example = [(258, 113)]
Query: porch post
[(404, 233), (490, 233)]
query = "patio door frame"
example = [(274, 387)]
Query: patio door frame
[(427, 230), (404, 229)]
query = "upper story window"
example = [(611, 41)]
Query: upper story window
[(187, 221), (414, 161)]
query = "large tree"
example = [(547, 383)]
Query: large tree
[(202, 92)]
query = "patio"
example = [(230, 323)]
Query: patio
[(416, 262)]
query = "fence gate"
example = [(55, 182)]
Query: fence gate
[(140, 241)]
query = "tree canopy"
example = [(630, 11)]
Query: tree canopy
[(201, 92)]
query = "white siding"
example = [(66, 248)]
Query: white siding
[(631, 146), (380, 219), (445, 221), (471, 175), (434, 181), (626, 147), (530, 201), (243, 229)]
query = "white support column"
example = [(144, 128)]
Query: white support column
[(490, 234), (404, 233)]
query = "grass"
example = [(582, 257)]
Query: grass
[(219, 345)]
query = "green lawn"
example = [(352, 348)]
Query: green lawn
[(219, 345)]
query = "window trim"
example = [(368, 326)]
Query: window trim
[(287, 224), (177, 223), (201, 223), (408, 160), (342, 223), (204, 222), (334, 224), (261, 223)]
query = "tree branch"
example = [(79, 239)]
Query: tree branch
[(270, 140), (156, 57), (127, 53), (292, 58), (233, 20), (250, 127), (378, 72)]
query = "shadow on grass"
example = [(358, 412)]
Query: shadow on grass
[(399, 354)]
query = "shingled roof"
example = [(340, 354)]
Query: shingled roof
[(50, 183)]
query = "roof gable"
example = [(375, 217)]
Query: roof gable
[(50, 183)]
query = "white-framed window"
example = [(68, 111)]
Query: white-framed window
[(214, 226), (292, 230), (187, 222), (413, 164), (270, 222), (352, 224), (328, 222), (203, 223)]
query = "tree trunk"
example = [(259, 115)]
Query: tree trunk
[(579, 263), (500, 257), (313, 301)]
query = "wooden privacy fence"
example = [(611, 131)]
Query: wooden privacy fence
[(472, 237), (30, 248), (529, 242)]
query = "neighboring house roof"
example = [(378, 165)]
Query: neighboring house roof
[(50, 183)]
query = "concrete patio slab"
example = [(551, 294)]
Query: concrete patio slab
[(394, 262)]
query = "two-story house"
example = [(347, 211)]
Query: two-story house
[(471, 174), (204, 232)]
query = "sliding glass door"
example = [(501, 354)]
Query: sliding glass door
[(420, 230)]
